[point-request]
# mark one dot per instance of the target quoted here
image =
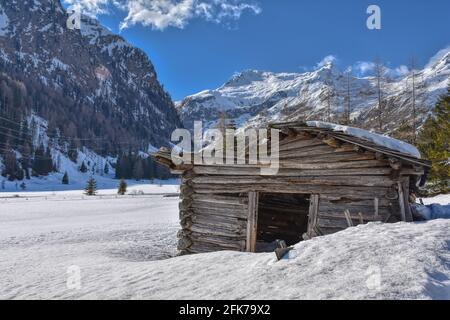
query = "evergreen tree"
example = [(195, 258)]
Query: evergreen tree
[(118, 168), (65, 179), (23, 186), (26, 159), (43, 162), (91, 187), (434, 144), (73, 151), (83, 168), (138, 170), (122, 187), (106, 169)]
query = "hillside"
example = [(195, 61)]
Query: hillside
[(67, 90)]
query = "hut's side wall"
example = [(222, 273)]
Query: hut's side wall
[(214, 210)]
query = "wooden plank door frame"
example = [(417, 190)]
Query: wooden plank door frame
[(252, 221)]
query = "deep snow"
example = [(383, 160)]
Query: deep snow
[(118, 243)]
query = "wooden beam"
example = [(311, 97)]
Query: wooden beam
[(313, 215), (252, 222), (376, 204), (348, 218), (408, 213), (401, 201)]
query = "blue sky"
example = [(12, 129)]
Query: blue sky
[(199, 44)]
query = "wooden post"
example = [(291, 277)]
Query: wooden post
[(401, 201), (313, 215), (348, 218), (252, 222), (375, 203), (408, 213), (361, 218)]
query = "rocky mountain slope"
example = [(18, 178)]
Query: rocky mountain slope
[(253, 98), (91, 86)]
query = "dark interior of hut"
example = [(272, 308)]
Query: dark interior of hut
[(281, 217)]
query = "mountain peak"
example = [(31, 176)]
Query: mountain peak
[(245, 77), (78, 72), (254, 98)]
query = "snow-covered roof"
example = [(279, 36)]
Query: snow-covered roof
[(367, 139), (378, 139)]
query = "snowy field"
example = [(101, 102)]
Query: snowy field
[(123, 247), (42, 234)]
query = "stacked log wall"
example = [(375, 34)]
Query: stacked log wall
[(213, 208)]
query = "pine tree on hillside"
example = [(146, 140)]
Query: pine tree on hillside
[(138, 170), (434, 144), (91, 187), (43, 161), (83, 168), (122, 187), (73, 151), (65, 179), (106, 169)]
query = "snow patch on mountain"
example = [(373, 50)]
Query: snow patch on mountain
[(4, 22)]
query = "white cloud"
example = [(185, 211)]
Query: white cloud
[(161, 14), (330, 59), (90, 8), (363, 67)]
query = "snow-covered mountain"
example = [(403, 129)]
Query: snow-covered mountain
[(252, 97), (85, 95), (108, 88)]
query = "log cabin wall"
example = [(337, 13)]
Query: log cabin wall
[(348, 184)]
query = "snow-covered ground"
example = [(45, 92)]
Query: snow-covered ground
[(44, 234), (121, 247)]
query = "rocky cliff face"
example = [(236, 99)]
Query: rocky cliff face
[(87, 83), (254, 98)]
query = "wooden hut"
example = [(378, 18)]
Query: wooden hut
[(329, 179)]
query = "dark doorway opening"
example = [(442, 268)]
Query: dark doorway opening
[(281, 217)]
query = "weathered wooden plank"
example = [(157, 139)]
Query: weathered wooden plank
[(356, 202), (348, 218), (401, 201), (213, 198), (333, 165), (313, 215), (252, 222), (405, 187), (367, 181), (365, 210), (220, 213), (376, 206), (217, 231), (296, 138), (209, 205), (298, 144), (283, 172), (218, 220), (341, 216), (330, 192), (338, 156), (317, 150)]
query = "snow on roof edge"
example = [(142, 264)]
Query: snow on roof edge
[(381, 140)]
